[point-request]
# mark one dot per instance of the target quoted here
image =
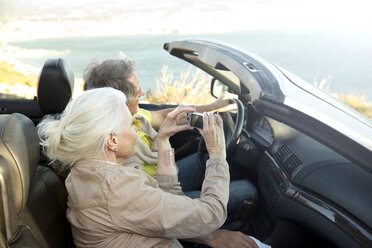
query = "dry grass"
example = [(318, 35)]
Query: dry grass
[(193, 88), (357, 102), (189, 88)]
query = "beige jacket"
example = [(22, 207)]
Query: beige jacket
[(111, 205)]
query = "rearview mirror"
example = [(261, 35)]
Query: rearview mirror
[(217, 88)]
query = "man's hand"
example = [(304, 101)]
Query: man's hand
[(229, 239), (222, 103)]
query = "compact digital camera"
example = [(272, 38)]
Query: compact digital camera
[(195, 119)]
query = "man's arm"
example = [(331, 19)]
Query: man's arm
[(221, 102), (225, 239), (159, 116)]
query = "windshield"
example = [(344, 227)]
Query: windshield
[(325, 96)]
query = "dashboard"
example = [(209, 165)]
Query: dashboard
[(303, 180)]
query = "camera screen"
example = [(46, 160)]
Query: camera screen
[(195, 119)]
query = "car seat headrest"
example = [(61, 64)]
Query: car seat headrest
[(19, 158), (55, 87)]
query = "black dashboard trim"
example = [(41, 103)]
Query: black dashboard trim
[(361, 233)]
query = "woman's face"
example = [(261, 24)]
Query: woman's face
[(126, 137)]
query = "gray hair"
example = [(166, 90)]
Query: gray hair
[(82, 130), (111, 73)]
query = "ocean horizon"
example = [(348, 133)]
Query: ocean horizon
[(342, 59)]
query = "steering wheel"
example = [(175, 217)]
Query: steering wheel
[(231, 133)]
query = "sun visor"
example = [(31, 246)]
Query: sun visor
[(237, 69)]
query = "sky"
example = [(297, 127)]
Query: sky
[(24, 19)]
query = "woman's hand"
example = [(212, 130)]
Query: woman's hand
[(213, 135), (166, 163), (171, 124)]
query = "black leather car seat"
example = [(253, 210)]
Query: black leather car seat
[(55, 87), (54, 91), (32, 201)]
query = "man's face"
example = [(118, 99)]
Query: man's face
[(138, 93)]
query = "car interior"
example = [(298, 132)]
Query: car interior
[(309, 196)]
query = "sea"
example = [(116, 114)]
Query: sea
[(341, 59)]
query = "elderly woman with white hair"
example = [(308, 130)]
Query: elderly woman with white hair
[(116, 205)]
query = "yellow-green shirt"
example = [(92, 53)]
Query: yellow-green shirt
[(148, 168)]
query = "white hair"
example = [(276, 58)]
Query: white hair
[(82, 130)]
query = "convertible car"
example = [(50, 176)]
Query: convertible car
[(309, 156)]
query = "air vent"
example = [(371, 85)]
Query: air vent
[(287, 159)]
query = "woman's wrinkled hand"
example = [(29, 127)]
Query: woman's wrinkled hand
[(172, 122), (213, 135)]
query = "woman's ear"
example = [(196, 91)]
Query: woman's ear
[(112, 142)]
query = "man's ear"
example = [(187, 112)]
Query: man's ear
[(112, 142)]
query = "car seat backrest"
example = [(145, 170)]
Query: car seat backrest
[(33, 199), (55, 87), (19, 156)]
